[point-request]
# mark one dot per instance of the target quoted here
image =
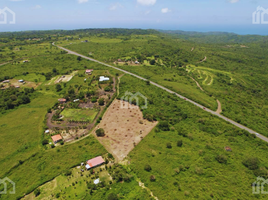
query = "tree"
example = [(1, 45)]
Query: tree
[(179, 143), (25, 99), (147, 168), (100, 132), (164, 126), (169, 145), (252, 163), (101, 101), (37, 192), (152, 62), (79, 58), (58, 87)]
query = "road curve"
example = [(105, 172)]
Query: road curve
[(170, 91)]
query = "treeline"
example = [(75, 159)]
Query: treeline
[(13, 97)]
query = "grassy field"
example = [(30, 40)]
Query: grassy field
[(79, 114), (75, 186), (193, 170)]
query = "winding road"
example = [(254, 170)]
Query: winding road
[(172, 92)]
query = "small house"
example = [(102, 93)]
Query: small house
[(47, 131), (21, 81), (25, 61), (86, 40), (56, 138), (119, 60), (62, 100), (76, 100), (17, 86), (137, 62), (6, 81), (102, 78), (89, 71), (95, 162)]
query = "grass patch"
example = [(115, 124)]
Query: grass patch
[(79, 114)]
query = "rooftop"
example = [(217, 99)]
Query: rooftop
[(56, 138), (95, 161)]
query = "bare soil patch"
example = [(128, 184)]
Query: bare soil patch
[(72, 134), (65, 78), (124, 128)]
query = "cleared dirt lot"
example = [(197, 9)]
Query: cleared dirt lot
[(124, 128), (65, 78)]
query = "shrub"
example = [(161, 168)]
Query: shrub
[(100, 132), (179, 143), (152, 178), (147, 168), (101, 101), (68, 173), (164, 126), (252, 163), (221, 159), (37, 192), (110, 156), (112, 196), (169, 145), (45, 142)]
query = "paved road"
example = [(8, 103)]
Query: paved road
[(180, 96)]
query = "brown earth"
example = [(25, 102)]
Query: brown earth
[(124, 128)]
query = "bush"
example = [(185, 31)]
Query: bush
[(45, 142), (68, 173), (164, 126), (101, 101), (147, 168), (169, 145), (37, 192), (221, 159), (252, 163), (110, 156), (179, 143), (100, 132), (94, 100), (152, 178), (112, 196)]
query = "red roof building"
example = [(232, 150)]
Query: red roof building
[(62, 100), (95, 162), (56, 138), (89, 71)]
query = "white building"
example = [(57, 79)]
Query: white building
[(102, 78)]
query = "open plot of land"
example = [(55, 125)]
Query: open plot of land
[(65, 78), (80, 114), (71, 134), (16, 83), (124, 128)]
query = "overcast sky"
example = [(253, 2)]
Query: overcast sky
[(188, 15)]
